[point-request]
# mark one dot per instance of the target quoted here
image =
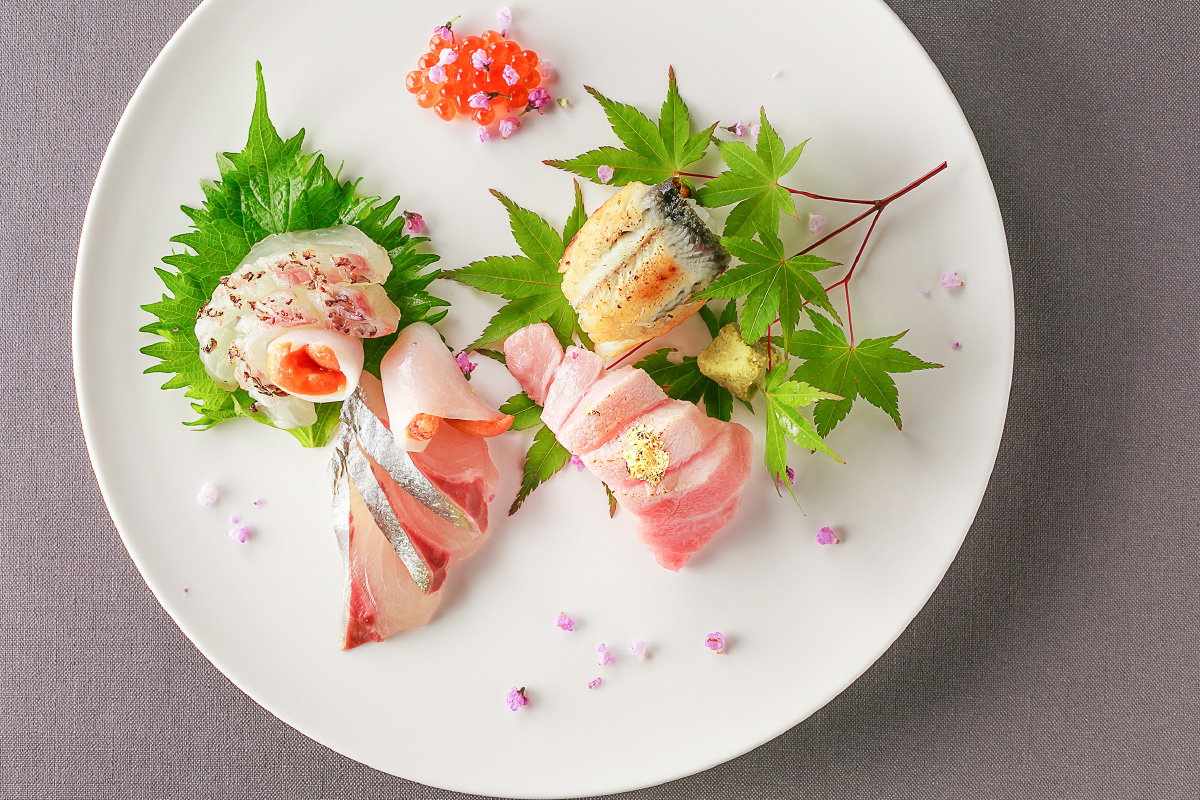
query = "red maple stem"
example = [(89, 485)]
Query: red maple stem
[(812, 195), (876, 209)]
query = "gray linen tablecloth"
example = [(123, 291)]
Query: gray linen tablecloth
[(1059, 659)]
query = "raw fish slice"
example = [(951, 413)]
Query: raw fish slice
[(215, 331), (673, 540), (531, 355), (703, 483), (292, 366), (342, 253), (421, 377), (460, 466), (575, 375), (364, 311), (381, 597), (683, 429), (608, 407), (285, 308)]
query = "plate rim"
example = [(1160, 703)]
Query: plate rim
[(87, 423)]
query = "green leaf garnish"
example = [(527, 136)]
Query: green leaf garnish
[(271, 186), (654, 152), (531, 282), (851, 371), (685, 381), (752, 181), (524, 411), (784, 400), (545, 458), (773, 284)]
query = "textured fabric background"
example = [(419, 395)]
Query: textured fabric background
[(1059, 659)]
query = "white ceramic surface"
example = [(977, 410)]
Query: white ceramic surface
[(803, 620)]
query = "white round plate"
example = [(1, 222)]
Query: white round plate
[(803, 621)]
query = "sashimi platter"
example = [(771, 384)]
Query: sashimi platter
[(524, 422)]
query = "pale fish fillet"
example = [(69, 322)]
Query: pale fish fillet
[(534, 347)]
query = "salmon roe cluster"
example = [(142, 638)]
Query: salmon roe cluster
[(486, 78)]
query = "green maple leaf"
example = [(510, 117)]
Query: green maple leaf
[(752, 181), (531, 283), (545, 457), (773, 285), (271, 186), (784, 399), (852, 371), (655, 152)]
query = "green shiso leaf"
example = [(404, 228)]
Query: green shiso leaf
[(272, 186)]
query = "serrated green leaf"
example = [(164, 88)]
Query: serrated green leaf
[(545, 458), (710, 320), (784, 399), (685, 381), (525, 412), (851, 371), (271, 186), (654, 151), (578, 217), (772, 285)]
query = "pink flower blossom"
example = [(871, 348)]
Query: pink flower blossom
[(924, 292), (538, 98), (208, 495), (775, 74), (545, 68), (606, 657), (752, 130), (239, 533), (578, 462), (185, 590), (508, 126), (516, 698), (827, 536), (437, 74), (510, 75), (413, 222), (480, 60), (504, 16), (479, 100), (447, 56), (564, 623), (604, 172), (950, 280), (444, 32), (638, 648), (715, 641), (595, 683), (791, 477), (955, 345), (738, 129), (256, 502), (465, 364), (816, 224), (234, 520), (491, 497), (483, 134)]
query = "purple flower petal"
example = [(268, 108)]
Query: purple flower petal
[(604, 172), (437, 73), (715, 641), (465, 364), (578, 462), (483, 134), (480, 60), (414, 222), (516, 698), (208, 495), (816, 224), (827, 536), (511, 76), (447, 56), (955, 345), (605, 657), (239, 533), (479, 100), (595, 683), (508, 126), (950, 280), (638, 648), (564, 623), (504, 16)]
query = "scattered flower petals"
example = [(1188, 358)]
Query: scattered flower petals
[(604, 172), (715, 642), (564, 623), (239, 533), (413, 222), (480, 60), (955, 345), (491, 497), (816, 224), (437, 74), (256, 501), (738, 129), (791, 477), (752, 129), (564, 102), (511, 76), (465, 364), (574, 355), (606, 657), (545, 69), (924, 292), (827, 536), (516, 698), (447, 56), (508, 126), (950, 280), (208, 495), (185, 590), (504, 16), (483, 134), (445, 32), (595, 683), (504, 33), (234, 520), (638, 648), (578, 462), (775, 74), (479, 100), (538, 98)]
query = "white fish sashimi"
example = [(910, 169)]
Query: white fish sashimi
[(333, 354), (330, 279), (422, 384)]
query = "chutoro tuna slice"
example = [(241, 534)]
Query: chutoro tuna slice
[(532, 354)]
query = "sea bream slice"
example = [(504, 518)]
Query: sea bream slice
[(423, 386), (632, 270)]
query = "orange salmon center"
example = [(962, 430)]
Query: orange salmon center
[(310, 370)]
